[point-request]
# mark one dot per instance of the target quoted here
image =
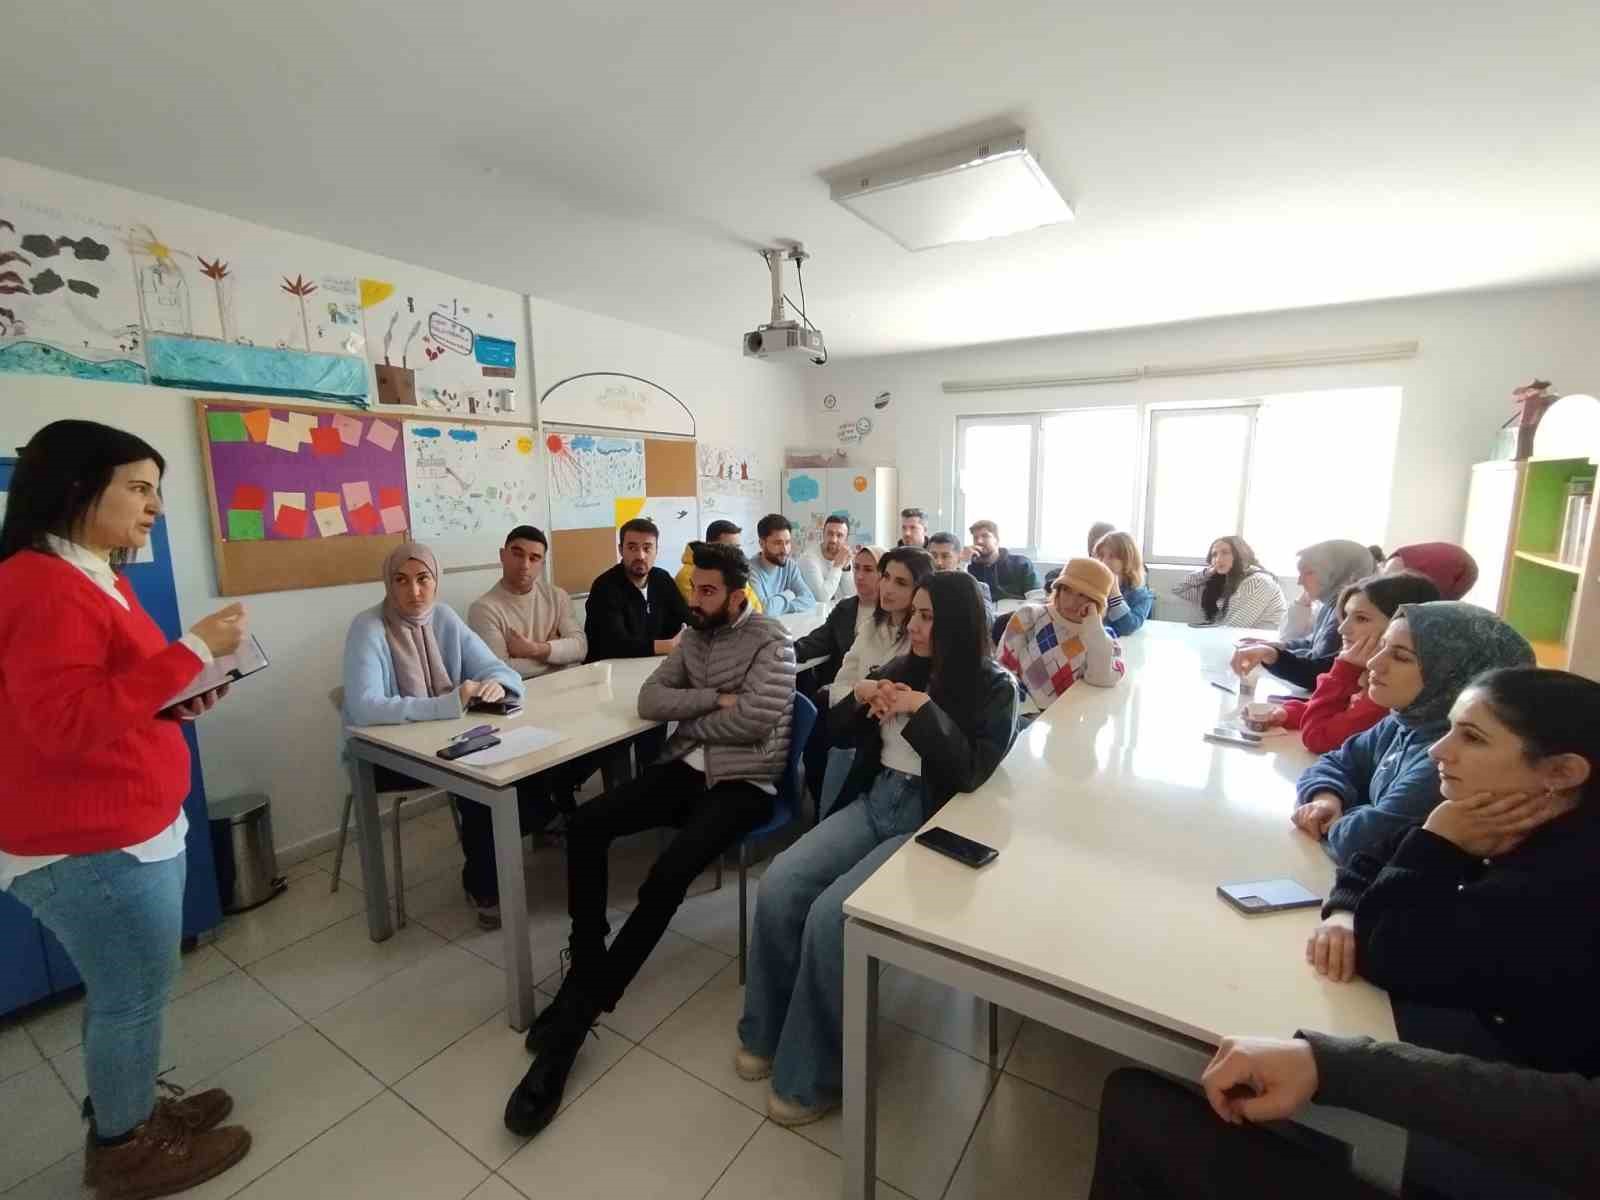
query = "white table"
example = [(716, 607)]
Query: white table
[(578, 702), (1115, 823)]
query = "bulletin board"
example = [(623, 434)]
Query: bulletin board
[(599, 480)]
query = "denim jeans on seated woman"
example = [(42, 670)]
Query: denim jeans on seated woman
[(840, 760), (794, 997), (120, 921)]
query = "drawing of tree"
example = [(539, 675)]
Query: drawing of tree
[(217, 271), (300, 288)]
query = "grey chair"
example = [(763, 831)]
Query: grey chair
[(336, 697)]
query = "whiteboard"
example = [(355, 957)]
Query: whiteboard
[(470, 484)]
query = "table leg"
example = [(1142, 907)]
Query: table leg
[(511, 873), (369, 832), (860, 1067)]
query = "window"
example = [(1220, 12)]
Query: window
[(1199, 460), (1045, 478)]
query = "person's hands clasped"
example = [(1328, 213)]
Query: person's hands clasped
[(223, 631), (1248, 658), (197, 706), (866, 691), (1331, 948), (488, 691), (1359, 652), (895, 699), (523, 647), (1489, 824), (1280, 1076), (1317, 815), (727, 700)]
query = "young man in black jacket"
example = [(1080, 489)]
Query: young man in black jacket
[(634, 610), (1009, 576)]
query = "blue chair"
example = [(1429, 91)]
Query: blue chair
[(784, 807)]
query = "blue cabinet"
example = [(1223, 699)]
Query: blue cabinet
[(25, 978)]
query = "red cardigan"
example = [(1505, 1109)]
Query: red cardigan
[(1337, 711), (87, 764)]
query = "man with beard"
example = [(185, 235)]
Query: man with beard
[(729, 685), (634, 609)]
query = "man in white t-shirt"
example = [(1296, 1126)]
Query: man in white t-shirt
[(826, 567)]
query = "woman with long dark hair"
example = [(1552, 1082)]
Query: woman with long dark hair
[(93, 774), (1233, 588), (932, 723)]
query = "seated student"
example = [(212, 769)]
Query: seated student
[(1096, 531), (913, 527), (634, 609), (1326, 569), (932, 723), (1340, 707), (826, 566), (729, 686), (1381, 783), (946, 551), (774, 573), (1450, 567), (413, 659), (1049, 647), (724, 533), (1159, 1141), (525, 620), (1009, 576), (1233, 588), (1128, 606)]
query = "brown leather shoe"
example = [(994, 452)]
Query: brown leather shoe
[(199, 1112), (163, 1156)]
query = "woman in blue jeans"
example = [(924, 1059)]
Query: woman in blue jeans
[(93, 773), (927, 725)]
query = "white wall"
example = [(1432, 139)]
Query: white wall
[(1475, 348), (278, 733)]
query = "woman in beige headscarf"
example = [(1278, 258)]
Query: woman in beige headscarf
[(413, 659)]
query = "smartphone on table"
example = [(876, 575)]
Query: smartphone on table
[(1268, 896), (952, 845)]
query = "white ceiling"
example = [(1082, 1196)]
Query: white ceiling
[(624, 158)]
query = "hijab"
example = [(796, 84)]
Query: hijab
[(1337, 564), (1455, 643), (418, 666), (1451, 568)]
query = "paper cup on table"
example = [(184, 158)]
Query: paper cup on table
[(1258, 716)]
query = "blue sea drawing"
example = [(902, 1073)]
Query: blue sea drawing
[(803, 488), (36, 358), (425, 431), (464, 435), (494, 352), (190, 362)]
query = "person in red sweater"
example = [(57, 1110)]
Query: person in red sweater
[(1340, 708), (93, 773)]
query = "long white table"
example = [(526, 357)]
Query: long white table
[(1115, 823)]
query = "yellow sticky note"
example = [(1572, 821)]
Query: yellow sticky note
[(628, 507)]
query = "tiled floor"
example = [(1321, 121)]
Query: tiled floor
[(381, 1070)]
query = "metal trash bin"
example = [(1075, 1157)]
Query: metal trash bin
[(241, 843)]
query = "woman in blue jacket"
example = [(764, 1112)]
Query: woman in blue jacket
[(413, 659), (1381, 782), (1128, 606)]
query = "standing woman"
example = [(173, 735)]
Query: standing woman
[(1233, 588), (1326, 569), (93, 775)]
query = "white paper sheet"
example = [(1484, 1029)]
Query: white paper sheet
[(514, 743)]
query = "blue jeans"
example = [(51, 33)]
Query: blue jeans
[(121, 921), (840, 760), (794, 998)]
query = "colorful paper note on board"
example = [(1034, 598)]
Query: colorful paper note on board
[(394, 520), (330, 521), (325, 500), (391, 497), (357, 494), (256, 423), (283, 500), (225, 426), (283, 436), (249, 495), (303, 423), (327, 442), (245, 525), (291, 522), (383, 435), (349, 430), (365, 520)]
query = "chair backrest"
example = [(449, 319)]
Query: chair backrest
[(805, 718), (337, 698)]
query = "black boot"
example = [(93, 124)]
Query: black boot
[(536, 1098), (571, 965)]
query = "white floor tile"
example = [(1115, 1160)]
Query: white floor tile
[(957, 1019), (427, 847), (302, 910), (17, 1051), (329, 967), (702, 1036), (712, 916), (781, 1165), (675, 970), (39, 1124), (645, 1129), (396, 1025), (207, 1030), (202, 965), (439, 904), (62, 1180), (464, 1090), (548, 930), (1064, 1064), (495, 1188), (1030, 1145), (382, 1151), (929, 1099), (285, 1095)]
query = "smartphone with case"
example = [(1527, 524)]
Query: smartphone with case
[(457, 750), (1227, 736), (500, 708), (953, 845), (1268, 896)]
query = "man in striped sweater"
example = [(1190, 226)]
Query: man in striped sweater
[(729, 685)]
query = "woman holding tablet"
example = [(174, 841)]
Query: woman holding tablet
[(93, 774)]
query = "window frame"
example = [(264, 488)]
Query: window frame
[(1155, 413)]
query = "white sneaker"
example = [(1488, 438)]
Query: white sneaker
[(790, 1114), (751, 1066)]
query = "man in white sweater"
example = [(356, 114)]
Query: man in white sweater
[(526, 620), (826, 567)]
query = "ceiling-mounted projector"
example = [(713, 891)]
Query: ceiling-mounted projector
[(782, 337)]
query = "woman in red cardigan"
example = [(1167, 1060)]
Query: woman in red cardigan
[(93, 773)]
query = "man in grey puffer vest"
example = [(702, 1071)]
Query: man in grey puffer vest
[(729, 685)]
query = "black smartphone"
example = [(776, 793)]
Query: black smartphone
[(457, 750), (500, 708), (953, 845)]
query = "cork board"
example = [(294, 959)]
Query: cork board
[(578, 556), (670, 468)]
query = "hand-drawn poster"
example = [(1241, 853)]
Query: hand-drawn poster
[(468, 478), (733, 488), (588, 475), (440, 352), (68, 305)]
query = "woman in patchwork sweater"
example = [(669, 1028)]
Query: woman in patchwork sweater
[(1050, 647)]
